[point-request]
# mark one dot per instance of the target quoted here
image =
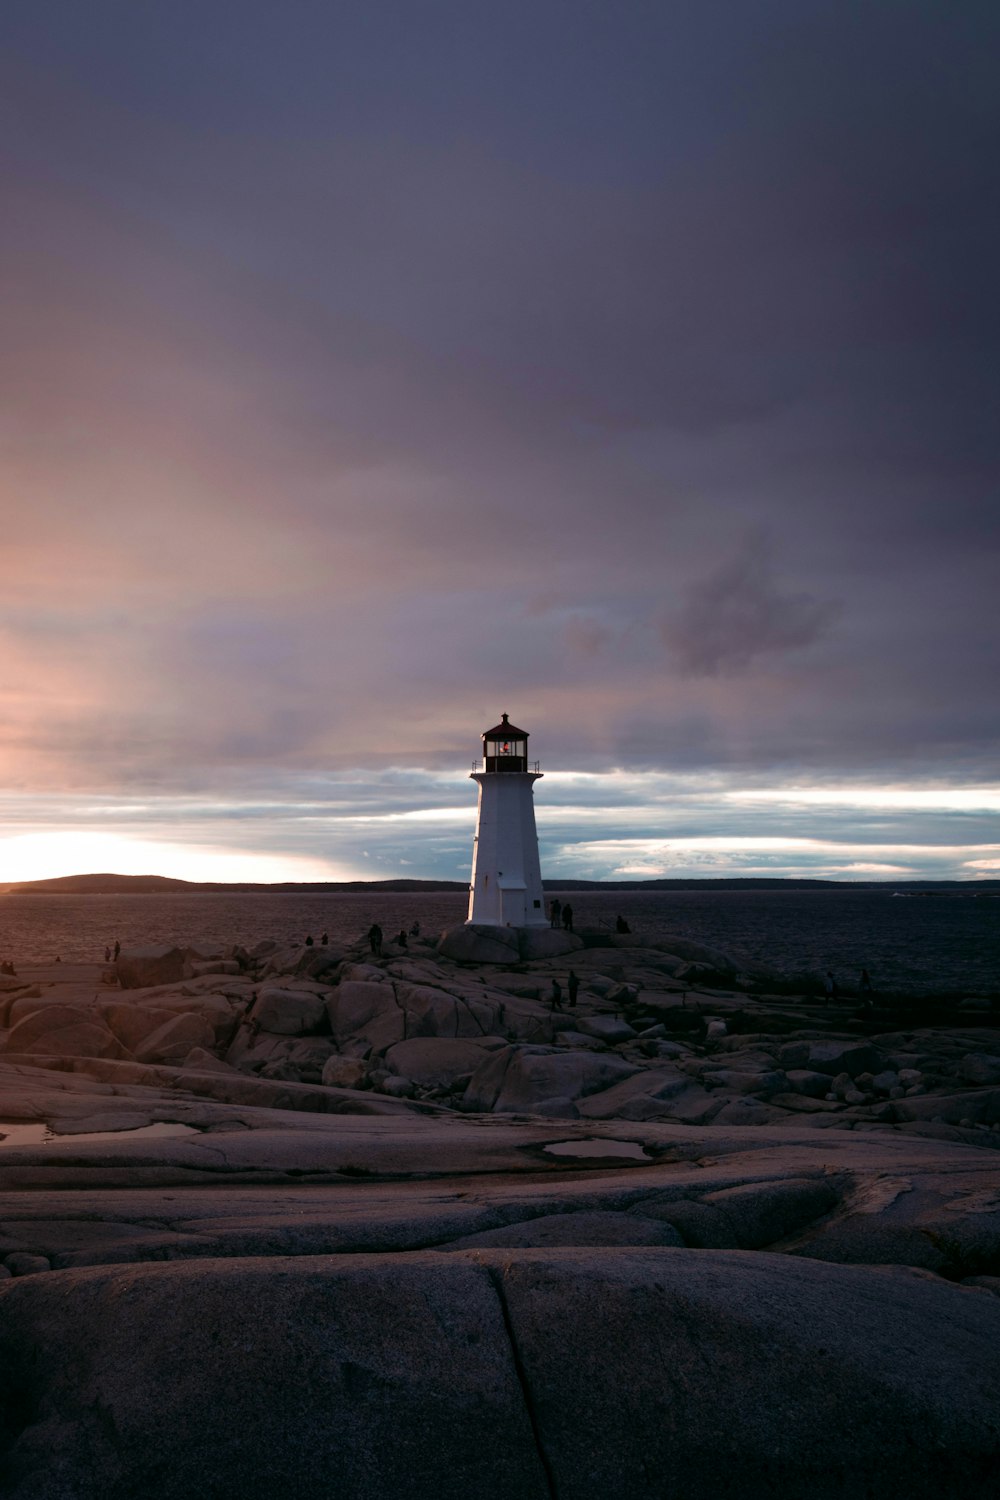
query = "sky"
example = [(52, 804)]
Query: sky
[(370, 368)]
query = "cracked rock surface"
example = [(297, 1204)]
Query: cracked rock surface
[(569, 1372), (672, 1241)]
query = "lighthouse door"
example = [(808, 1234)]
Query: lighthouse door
[(513, 902)]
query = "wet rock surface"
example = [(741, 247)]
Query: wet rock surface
[(412, 1202)]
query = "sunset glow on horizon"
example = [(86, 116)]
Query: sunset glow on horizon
[(48, 856)]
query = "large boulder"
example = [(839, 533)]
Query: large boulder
[(609, 1029), (29, 1028), (523, 1079), (699, 953), (380, 1013), (85, 1039), (171, 1042), (344, 1072), (979, 1067), (743, 1364), (433, 1012), (805, 1081), (288, 1012), (364, 971), (749, 1216), (433, 1061), (746, 1081), (132, 1024), (477, 944), (643, 1096), (693, 1106), (725, 1373), (197, 968), (138, 967), (365, 1008), (64, 1031), (32, 1000), (974, 1106), (301, 1060), (546, 942), (218, 1010), (831, 1057), (199, 1060), (281, 1378)]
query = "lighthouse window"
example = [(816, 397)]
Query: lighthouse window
[(505, 755)]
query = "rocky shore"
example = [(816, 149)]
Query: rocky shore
[(309, 1221)]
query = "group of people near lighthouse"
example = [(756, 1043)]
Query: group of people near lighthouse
[(376, 937), (560, 915)]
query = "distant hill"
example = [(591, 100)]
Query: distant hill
[(153, 885), (98, 885)]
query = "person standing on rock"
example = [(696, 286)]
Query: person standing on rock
[(556, 996), (375, 939), (830, 985), (573, 985), (554, 912), (118, 949), (567, 918)]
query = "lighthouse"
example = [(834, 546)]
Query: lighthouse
[(506, 887)]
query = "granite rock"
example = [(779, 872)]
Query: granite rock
[(520, 1078), (398, 1375)]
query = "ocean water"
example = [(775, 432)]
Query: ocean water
[(920, 944)]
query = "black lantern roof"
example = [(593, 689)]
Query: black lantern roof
[(505, 731)]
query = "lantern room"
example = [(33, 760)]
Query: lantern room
[(505, 748)]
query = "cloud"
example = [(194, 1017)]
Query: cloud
[(617, 826), (739, 613)]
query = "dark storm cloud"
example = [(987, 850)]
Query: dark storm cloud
[(739, 613), (365, 366)]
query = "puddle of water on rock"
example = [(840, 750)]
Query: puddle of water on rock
[(598, 1147), (41, 1135)]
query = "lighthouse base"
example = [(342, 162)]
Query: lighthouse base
[(483, 943)]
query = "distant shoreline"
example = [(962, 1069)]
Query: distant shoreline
[(161, 885)]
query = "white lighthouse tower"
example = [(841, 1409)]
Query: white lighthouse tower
[(506, 888)]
